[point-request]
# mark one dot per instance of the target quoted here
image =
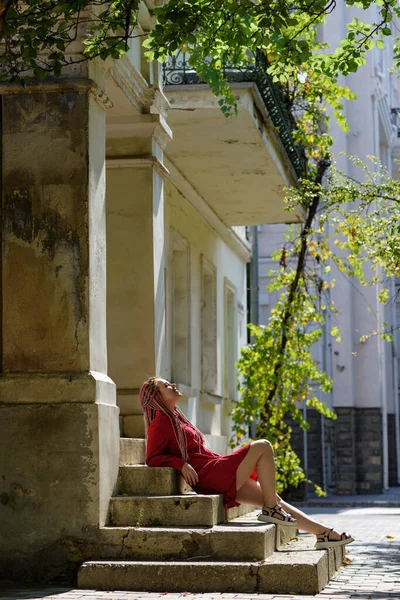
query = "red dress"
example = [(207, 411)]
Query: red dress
[(217, 474)]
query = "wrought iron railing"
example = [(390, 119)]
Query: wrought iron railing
[(177, 71)]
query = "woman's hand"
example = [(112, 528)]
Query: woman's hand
[(189, 475)]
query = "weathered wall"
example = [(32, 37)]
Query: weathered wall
[(49, 487), (58, 419)]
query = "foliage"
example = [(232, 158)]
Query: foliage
[(232, 31), (39, 37), (278, 372), (345, 227)]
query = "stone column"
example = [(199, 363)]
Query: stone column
[(58, 416), (135, 250)]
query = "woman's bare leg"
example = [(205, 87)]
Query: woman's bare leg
[(260, 457), (306, 523), (250, 493)]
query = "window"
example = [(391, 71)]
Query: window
[(230, 339), (180, 371), (208, 327)]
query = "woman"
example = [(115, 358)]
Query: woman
[(247, 475)]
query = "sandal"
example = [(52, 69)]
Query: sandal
[(283, 518), (324, 542)]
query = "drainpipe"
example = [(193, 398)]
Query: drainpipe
[(383, 386), (327, 367), (381, 349), (396, 399), (254, 282)]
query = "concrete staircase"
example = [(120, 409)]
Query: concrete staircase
[(164, 538)]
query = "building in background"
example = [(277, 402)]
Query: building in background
[(360, 452)]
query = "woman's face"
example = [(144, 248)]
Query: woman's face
[(169, 393)]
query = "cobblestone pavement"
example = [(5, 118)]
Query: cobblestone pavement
[(372, 571)]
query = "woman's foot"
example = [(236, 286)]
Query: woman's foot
[(331, 539), (277, 516)]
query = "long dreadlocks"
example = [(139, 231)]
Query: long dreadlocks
[(151, 401)]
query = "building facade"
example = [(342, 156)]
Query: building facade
[(124, 204)]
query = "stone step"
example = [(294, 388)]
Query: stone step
[(191, 510), (249, 518), (305, 543), (133, 426), (140, 480), (132, 451), (232, 542), (238, 511), (282, 573)]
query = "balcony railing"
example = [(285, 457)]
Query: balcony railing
[(177, 71)]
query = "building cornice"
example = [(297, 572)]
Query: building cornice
[(144, 97), (132, 83)]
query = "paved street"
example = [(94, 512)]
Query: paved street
[(372, 571)]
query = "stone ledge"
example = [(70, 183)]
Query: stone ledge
[(221, 542), (192, 510), (299, 573), (140, 480)]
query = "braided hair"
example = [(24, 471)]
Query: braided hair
[(151, 401)]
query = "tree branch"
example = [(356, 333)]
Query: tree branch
[(323, 166)]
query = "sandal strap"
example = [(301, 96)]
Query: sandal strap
[(325, 535), (272, 511)]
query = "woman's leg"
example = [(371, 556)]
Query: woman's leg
[(250, 493), (260, 457), (305, 523)]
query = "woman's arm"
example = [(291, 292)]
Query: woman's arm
[(158, 436)]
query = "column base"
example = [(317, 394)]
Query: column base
[(59, 465)]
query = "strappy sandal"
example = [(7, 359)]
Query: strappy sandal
[(324, 542), (268, 515)]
